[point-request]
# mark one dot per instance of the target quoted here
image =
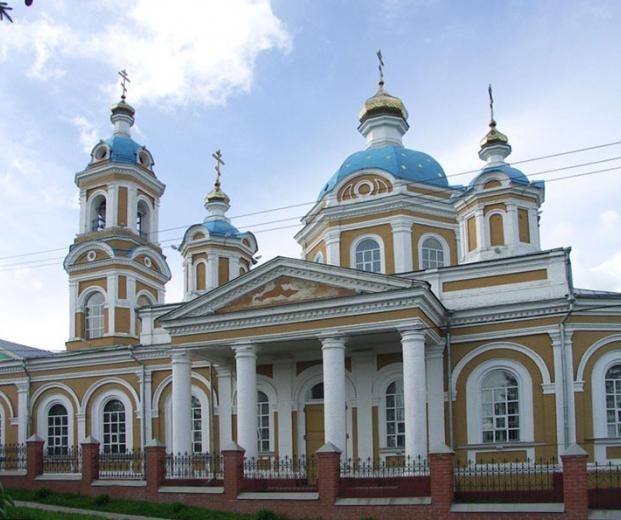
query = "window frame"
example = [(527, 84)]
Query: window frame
[(119, 422), (396, 420), (443, 244), (263, 411), (616, 397), (494, 403), (87, 315), (354, 249), (55, 447)]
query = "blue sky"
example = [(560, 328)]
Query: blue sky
[(278, 87)]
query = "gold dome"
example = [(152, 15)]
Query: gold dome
[(494, 136), (217, 194), (382, 103)]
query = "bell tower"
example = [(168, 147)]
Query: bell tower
[(115, 263)]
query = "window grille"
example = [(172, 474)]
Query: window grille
[(263, 422), (500, 407), (95, 316), (57, 430), (395, 419), (114, 432), (613, 401), (368, 256), (433, 254), (197, 426)]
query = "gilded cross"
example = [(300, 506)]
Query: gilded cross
[(125, 79), (219, 162), (491, 103), (380, 66)]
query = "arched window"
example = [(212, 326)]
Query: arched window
[(98, 221), (368, 256), (142, 219), (318, 258), (57, 430), (496, 230), (432, 253), (263, 422), (395, 418), (94, 316), (316, 393), (500, 403), (141, 302), (114, 433), (613, 400), (200, 278), (197, 426)]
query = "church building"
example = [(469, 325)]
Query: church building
[(420, 315)]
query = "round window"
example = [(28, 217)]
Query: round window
[(91, 255), (147, 261), (101, 153), (143, 158)]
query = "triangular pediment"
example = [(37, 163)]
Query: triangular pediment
[(286, 281)]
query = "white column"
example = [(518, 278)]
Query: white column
[(112, 203), (511, 227), (482, 231), (181, 402), (225, 405), (333, 247), (233, 267), (81, 427), (284, 372), (533, 227), (155, 223), (148, 412), (132, 208), (333, 353), (558, 389), (23, 410), (414, 390), (246, 368), (113, 285), (435, 393), (211, 281), (73, 307), (364, 367), (402, 243), (84, 225)]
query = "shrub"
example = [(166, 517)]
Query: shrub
[(266, 514), (101, 500), (6, 503), (42, 493), (177, 507)]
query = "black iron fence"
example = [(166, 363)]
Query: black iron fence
[(63, 460), (188, 466), (12, 457), (505, 481), (385, 467), (123, 466), (271, 473), (604, 481)]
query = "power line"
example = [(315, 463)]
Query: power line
[(420, 196)]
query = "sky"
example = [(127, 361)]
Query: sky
[(278, 86)]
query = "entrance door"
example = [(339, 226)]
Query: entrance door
[(314, 428)]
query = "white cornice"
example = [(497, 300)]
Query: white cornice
[(117, 263), (95, 172)]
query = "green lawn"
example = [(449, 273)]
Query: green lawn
[(175, 511), (22, 513)]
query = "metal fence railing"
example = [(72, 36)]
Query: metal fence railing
[(272, 467), (386, 467), (12, 457), (63, 460), (204, 466), (604, 482), (505, 481), (124, 466)]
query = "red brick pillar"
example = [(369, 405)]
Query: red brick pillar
[(90, 463), (155, 469), (441, 467), (575, 485), (233, 456), (329, 473), (34, 454)]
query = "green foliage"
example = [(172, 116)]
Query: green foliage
[(6, 503), (43, 493), (266, 514), (101, 500), (177, 507)]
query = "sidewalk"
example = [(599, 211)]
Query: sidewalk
[(73, 510)]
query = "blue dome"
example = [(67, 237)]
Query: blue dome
[(514, 174), (123, 149), (402, 163), (221, 228)]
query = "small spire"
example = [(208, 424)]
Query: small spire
[(495, 147), (217, 193), (492, 122), (380, 66)]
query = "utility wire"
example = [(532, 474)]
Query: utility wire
[(418, 196)]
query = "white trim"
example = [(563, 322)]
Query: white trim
[(536, 358), (90, 210), (380, 243), (97, 410), (590, 351), (505, 227), (43, 411), (109, 381), (157, 395), (6, 406), (598, 396), (445, 246), (318, 258), (42, 389), (473, 399), (194, 276), (87, 293), (265, 385)]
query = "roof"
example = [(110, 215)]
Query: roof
[(592, 293), (402, 163), (123, 149), (221, 228), (17, 350), (514, 174)]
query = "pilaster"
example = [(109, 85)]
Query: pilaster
[(246, 368), (334, 409), (181, 402), (402, 244), (414, 390)]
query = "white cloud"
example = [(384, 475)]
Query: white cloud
[(610, 220), (609, 272), (88, 132), (186, 52)]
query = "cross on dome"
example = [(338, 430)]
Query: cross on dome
[(217, 194), (125, 79)]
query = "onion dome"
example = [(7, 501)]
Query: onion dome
[(494, 136), (382, 103)]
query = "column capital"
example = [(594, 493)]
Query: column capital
[(223, 370), (245, 350), (332, 342), (412, 335), (435, 352), (181, 356)]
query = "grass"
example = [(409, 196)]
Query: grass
[(174, 511), (24, 513)]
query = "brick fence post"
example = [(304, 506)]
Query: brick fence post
[(329, 473), (441, 468), (233, 455), (90, 463), (155, 470), (575, 485), (34, 454)]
